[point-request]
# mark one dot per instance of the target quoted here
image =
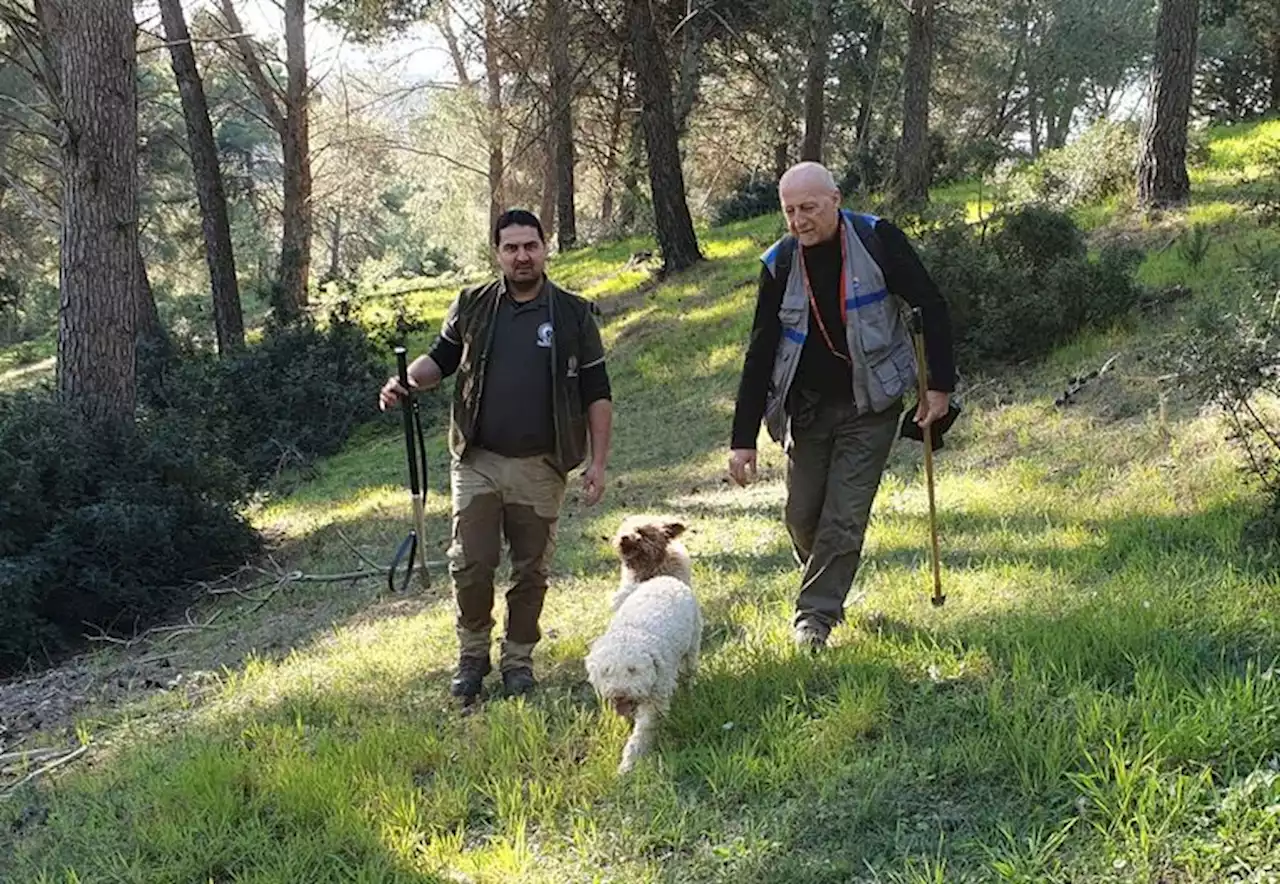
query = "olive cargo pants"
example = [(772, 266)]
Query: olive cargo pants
[(834, 463), (493, 496)]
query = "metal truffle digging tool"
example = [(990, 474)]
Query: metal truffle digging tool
[(917, 332), (416, 451)]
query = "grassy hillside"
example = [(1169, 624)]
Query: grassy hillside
[(1096, 700)]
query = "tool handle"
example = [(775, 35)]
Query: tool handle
[(410, 443)]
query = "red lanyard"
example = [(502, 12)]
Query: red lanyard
[(844, 306)]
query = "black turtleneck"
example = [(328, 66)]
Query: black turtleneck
[(821, 370)]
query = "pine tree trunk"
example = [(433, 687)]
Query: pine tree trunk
[(94, 57), (227, 316), (866, 103), (561, 97), (1162, 165), (548, 212), (493, 73), (295, 246), (148, 326), (615, 136), (912, 166), (816, 80), (1275, 75), (676, 237)]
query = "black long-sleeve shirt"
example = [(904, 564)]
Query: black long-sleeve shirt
[(820, 370)]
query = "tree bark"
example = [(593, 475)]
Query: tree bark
[(228, 319), (561, 98), (875, 42), (493, 75), (816, 80), (693, 40), (615, 136), (1275, 75), (94, 57), (295, 247), (676, 237), (548, 212), (1162, 164), (147, 326), (912, 166), (291, 124)]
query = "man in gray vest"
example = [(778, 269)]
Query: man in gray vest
[(829, 360)]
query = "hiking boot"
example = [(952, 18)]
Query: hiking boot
[(810, 635), (517, 682), (469, 678)]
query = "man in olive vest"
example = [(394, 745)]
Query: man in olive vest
[(531, 402), (829, 360)]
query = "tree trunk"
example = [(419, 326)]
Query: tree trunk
[(94, 57), (912, 167), (1162, 164), (561, 98), (493, 74), (148, 326), (676, 238), (227, 317), (335, 246), (1275, 75), (875, 42), (631, 195), (816, 80), (615, 136), (548, 213), (295, 246), (693, 40)]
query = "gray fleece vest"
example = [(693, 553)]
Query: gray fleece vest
[(884, 365)]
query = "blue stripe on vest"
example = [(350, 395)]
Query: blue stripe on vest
[(794, 335), (866, 300), (770, 257)]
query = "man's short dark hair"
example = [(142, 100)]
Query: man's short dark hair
[(517, 218)]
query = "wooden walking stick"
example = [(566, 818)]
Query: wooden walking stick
[(917, 332)]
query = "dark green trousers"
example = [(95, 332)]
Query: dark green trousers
[(834, 465)]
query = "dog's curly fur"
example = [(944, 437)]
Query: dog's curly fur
[(655, 635), (648, 547)]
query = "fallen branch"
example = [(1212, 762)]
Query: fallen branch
[(1078, 383), (7, 759), (52, 765)]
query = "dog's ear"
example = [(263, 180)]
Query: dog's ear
[(673, 529)]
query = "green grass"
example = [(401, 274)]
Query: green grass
[(1096, 701)]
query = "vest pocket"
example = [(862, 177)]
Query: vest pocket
[(893, 373)]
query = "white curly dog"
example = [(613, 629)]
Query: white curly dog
[(655, 634)]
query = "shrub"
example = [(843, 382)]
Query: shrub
[(1099, 164), (108, 525), (1230, 355), (101, 524), (296, 396), (1028, 286), (751, 198)]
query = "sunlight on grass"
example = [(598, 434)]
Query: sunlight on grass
[(1095, 700)]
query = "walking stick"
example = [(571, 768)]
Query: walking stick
[(917, 332), (416, 450)]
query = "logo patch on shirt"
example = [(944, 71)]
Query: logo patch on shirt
[(544, 335)]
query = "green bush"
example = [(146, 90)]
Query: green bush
[(297, 395), (1230, 355), (1028, 286), (101, 524), (1101, 163), (108, 525), (751, 198)]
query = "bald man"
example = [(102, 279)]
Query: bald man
[(829, 360)]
